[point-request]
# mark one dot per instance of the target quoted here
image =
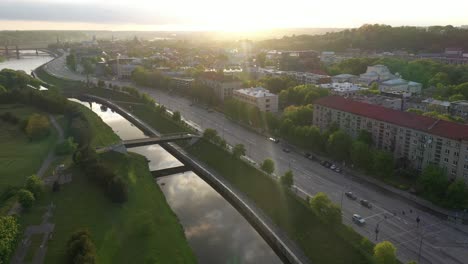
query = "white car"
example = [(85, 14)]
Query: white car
[(358, 219), (274, 140)]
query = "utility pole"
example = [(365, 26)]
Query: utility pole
[(420, 247)]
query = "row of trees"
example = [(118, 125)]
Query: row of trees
[(301, 95), (33, 190)]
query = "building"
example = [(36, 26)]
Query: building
[(340, 78), (385, 101), (459, 108), (436, 105), (376, 73), (420, 140), (343, 89), (401, 86), (124, 67), (222, 85), (182, 83), (259, 97)]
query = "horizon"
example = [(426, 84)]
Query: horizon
[(210, 15)]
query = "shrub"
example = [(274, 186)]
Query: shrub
[(26, 198), (117, 190), (35, 185), (81, 249), (66, 147), (9, 231), (37, 126)]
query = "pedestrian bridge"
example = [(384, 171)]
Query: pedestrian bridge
[(158, 139)]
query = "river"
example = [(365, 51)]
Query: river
[(215, 230), (27, 62)]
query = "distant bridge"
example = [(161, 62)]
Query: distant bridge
[(157, 140), (8, 50)]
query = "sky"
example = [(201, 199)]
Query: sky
[(238, 15)]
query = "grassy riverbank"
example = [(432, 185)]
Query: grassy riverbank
[(19, 156)]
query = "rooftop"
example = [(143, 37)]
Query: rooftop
[(405, 119), (256, 92)]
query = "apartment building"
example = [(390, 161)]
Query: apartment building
[(182, 83), (259, 97), (419, 139), (222, 85)]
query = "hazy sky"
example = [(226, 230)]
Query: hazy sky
[(225, 15)]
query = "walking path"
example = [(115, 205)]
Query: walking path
[(51, 156)]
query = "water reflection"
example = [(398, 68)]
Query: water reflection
[(214, 229)]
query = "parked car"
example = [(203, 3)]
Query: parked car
[(287, 150), (307, 155), (274, 140), (366, 204), (326, 164), (333, 167), (338, 169), (351, 195), (358, 219)]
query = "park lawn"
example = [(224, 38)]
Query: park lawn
[(143, 230), (321, 244), (20, 157)]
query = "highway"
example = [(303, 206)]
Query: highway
[(442, 242)]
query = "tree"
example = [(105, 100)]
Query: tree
[(9, 231), (365, 137), (210, 134), (66, 147), (80, 248), (361, 155), (71, 61), (268, 166), (383, 163), (26, 198), (2, 89), (339, 145), (35, 185), (88, 69), (456, 194), (176, 116), (456, 97), (329, 212), (287, 179), (118, 190), (434, 182), (238, 151), (37, 126), (385, 253)]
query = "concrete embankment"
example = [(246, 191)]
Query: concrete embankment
[(280, 243)]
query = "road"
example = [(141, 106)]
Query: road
[(442, 242)]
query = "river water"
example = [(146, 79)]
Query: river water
[(215, 230), (28, 61)]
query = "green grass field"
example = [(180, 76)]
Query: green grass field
[(320, 243), (143, 230), (20, 157)]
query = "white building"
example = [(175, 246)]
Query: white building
[(340, 78), (259, 97), (345, 89), (376, 73), (400, 85)]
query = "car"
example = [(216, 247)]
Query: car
[(351, 195), (333, 167), (326, 164), (274, 140), (366, 204), (358, 219), (338, 169), (287, 150), (307, 155)]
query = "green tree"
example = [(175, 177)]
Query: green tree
[(9, 231), (385, 253), (365, 137), (383, 163), (462, 89), (176, 116), (457, 194), (2, 89), (329, 212), (80, 248), (456, 97), (68, 146), (35, 185), (287, 179), (71, 61), (434, 182), (238, 151), (268, 166), (361, 155), (339, 145), (37, 126), (210, 134), (25, 198)]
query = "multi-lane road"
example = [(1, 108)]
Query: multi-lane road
[(438, 240)]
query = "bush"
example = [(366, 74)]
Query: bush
[(26, 198), (37, 127), (117, 190), (66, 147), (287, 179), (328, 212), (35, 185), (81, 249)]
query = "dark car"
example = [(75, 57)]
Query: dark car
[(287, 150), (338, 169), (351, 195), (326, 164), (307, 155), (366, 204)]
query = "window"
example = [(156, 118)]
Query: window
[(445, 159), (267, 106), (455, 153), (447, 151), (465, 166), (455, 162), (267, 100), (454, 171)]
